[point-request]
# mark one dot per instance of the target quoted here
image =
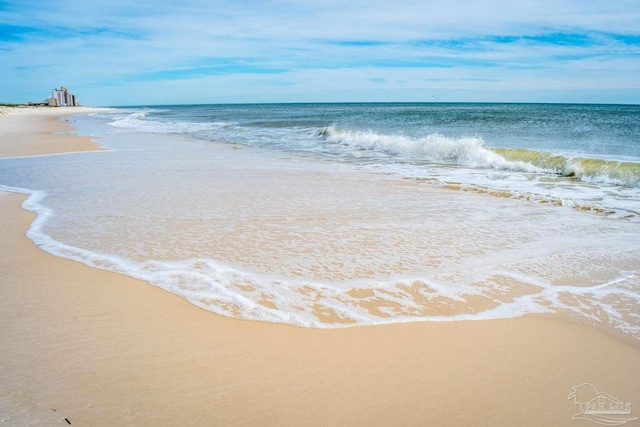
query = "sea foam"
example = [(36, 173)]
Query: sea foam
[(477, 294), (316, 256), (467, 151), (473, 152), (139, 122)]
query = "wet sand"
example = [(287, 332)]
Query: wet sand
[(99, 348), (36, 131)]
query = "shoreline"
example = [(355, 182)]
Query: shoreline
[(100, 348), (40, 131)]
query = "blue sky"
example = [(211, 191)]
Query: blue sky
[(136, 52)]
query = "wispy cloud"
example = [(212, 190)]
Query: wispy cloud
[(122, 52)]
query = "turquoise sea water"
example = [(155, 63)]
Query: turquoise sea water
[(488, 146), (329, 215)]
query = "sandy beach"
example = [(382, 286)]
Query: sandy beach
[(89, 347), (37, 131)]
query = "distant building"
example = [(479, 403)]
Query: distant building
[(45, 103), (63, 98)]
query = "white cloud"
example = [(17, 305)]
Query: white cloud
[(256, 49)]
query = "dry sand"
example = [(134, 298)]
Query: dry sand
[(98, 348)]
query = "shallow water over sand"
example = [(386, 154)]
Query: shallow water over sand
[(277, 236)]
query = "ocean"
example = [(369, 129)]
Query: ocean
[(333, 215)]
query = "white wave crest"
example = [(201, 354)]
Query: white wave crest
[(139, 122), (465, 151)]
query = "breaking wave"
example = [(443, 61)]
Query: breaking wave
[(472, 152), (139, 122), (583, 168)]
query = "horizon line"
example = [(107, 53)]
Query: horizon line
[(367, 102)]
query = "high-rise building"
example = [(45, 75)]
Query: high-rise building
[(62, 98)]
